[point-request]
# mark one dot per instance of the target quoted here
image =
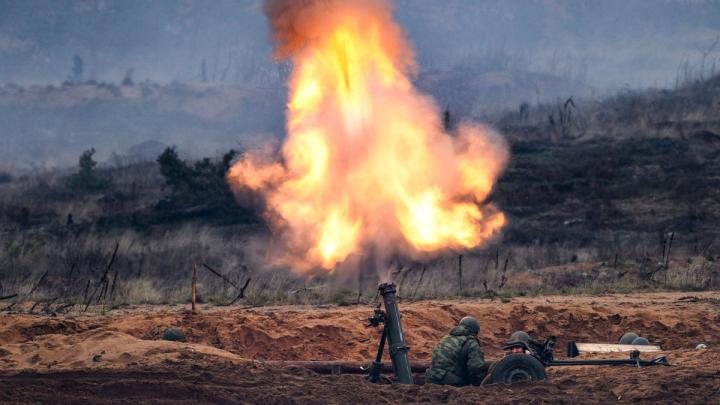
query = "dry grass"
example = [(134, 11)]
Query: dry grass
[(155, 269), (585, 215), (628, 115)]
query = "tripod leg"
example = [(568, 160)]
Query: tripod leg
[(376, 366)]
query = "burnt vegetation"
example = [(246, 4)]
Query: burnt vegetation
[(601, 195)]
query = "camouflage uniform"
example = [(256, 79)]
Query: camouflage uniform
[(457, 360)]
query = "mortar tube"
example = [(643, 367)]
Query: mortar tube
[(395, 336)]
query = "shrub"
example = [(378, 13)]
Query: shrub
[(200, 190), (87, 179), (204, 180)]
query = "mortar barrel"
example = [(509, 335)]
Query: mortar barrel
[(396, 338)]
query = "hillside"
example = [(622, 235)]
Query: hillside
[(50, 125), (625, 201)]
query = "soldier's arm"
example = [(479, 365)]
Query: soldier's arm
[(475, 359)]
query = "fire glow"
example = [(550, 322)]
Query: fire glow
[(366, 162)]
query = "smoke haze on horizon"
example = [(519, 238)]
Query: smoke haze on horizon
[(611, 44), (213, 84)]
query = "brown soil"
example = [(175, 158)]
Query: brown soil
[(118, 356)]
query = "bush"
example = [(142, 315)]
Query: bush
[(128, 80), (205, 179), (87, 179), (200, 189)]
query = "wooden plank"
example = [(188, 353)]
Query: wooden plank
[(613, 348)]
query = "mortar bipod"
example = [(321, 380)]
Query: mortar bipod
[(375, 369)]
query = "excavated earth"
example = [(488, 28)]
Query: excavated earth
[(119, 357)]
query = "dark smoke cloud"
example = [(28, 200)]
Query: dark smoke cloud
[(283, 17), (295, 23)]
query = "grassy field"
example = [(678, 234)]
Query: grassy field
[(604, 195)]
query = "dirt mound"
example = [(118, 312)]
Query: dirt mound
[(673, 320), (119, 356), (196, 380), (100, 349)]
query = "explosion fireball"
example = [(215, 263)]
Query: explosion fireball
[(366, 163)]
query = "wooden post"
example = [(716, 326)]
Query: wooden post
[(460, 281), (194, 282)]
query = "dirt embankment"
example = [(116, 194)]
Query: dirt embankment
[(696, 379), (672, 320), (119, 357)]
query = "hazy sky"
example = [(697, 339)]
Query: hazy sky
[(475, 57), (610, 43)]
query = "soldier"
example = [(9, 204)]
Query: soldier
[(458, 360)]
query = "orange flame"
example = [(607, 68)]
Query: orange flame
[(366, 161)]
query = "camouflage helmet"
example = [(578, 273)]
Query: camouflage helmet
[(471, 324), (519, 336), (628, 338), (641, 341), (174, 335)]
